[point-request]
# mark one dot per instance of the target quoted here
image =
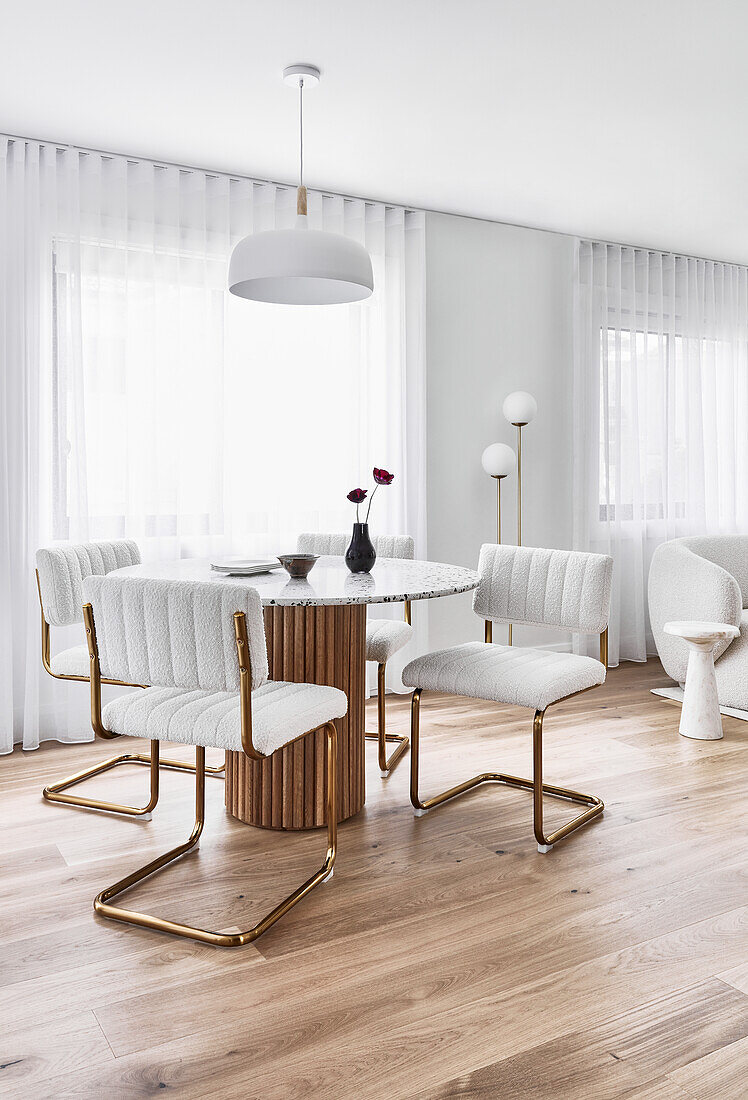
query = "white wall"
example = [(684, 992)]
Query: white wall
[(499, 318)]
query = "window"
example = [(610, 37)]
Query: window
[(131, 400), (645, 378), (170, 397)]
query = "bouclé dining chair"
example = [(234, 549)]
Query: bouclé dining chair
[(60, 571), (203, 644), (384, 637), (555, 588)]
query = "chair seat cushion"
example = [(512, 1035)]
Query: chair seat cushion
[(281, 712), (71, 662), (504, 674), (384, 637)]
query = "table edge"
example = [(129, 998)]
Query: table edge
[(342, 601)]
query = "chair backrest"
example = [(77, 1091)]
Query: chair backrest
[(168, 633), (695, 578), (386, 546), (62, 570), (563, 588), (729, 552)]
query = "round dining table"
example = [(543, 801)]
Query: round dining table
[(316, 633)]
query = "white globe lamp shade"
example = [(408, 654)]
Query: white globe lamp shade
[(300, 267), (520, 407), (498, 460)]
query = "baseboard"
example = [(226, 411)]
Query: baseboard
[(675, 694)]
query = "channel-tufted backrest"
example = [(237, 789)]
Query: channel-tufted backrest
[(564, 588), (386, 546), (62, 569), (166, 633)]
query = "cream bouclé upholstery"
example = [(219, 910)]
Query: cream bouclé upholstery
[(523, 584), (201, 645), (731, 671), (558, 588), (703, 579), (384, 637), (71, 662), (281, 712), (62, 570), (563, 588), (505, 674), (175, 633), (179, 635), (386, 546)]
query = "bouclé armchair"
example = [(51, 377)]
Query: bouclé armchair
[(703, 579)]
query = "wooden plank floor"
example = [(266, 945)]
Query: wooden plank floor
[(446, 958)]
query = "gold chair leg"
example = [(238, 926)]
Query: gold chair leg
[(594, 804), (222, 939), (536, 784), (217, 770), (54, 792), (381, 736)]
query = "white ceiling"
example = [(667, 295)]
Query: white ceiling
[(617, 119)]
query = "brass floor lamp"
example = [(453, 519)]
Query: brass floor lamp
[(499, 461), (519, 408)]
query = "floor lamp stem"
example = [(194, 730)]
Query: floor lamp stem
[(519, 499), (519, 485)]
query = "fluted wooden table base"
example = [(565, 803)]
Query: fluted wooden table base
[(316, 645)]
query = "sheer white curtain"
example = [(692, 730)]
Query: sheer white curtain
[(661, 413), (141, 400)]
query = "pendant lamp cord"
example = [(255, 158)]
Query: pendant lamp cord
[(301, 192), (301, 132)]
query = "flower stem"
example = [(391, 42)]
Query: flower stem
[(370, 500)]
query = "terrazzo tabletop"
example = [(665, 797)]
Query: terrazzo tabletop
[(392, 580)]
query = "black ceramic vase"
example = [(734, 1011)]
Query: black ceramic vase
[(360, 555)]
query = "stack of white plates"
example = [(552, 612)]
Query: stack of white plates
[(244, 567)]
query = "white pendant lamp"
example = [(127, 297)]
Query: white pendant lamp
[(300, 266)]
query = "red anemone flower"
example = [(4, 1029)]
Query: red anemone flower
[(382, 477), (357, 495)]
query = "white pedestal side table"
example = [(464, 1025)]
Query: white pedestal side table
[(700, 717)]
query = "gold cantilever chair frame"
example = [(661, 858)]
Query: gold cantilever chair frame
[(595, 806), (102, 902), (381, 736), (55, 792)]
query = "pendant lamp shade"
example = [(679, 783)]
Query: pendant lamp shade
[(300, 266)]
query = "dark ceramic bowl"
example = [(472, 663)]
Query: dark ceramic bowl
[(298, 565)]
